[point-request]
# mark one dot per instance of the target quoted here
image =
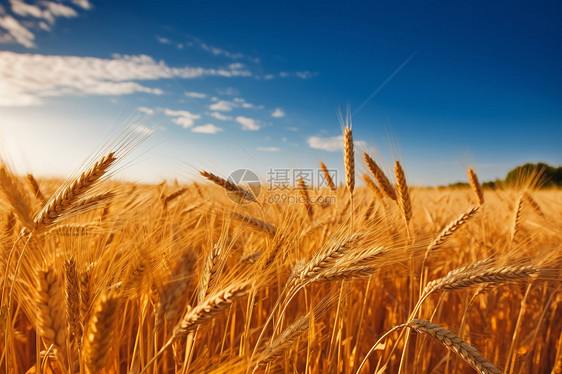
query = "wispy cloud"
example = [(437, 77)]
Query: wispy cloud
[(182, 117), (221, 117), (269, 149), (197, 95), (299, 74), (278, 113), (163, 40), (248, 123), (15, 32), (209, 128), (332, 144), (27, 78), (223, 106), (37, 15)]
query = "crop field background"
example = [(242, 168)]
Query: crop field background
[(280, 187), (109, 276)]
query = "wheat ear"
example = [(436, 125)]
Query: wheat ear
[(85, 293), (168, 199), (50, 301), (323, 260), (100, 335), (303, 190), (238, 191), (476, 187), (449, 230), (327, 177), (403, 194), (210, 307), (517, 217), (69, 195), (285, 340), (36, 189), (479, 273), (380, 177), (455, 344), (533, 203), (72, 287), (257, 224), (373, 187), (349, 159)]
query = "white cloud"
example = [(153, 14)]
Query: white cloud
[(84, 4), (16, 32), (221, 117), (228, 91), (332, 144), (278, 113), (197, 95), (268, 149), (248, 123), (140, 129), (299, 74), (223, 106), (38, 15), (163, 40), (209, 128), (26, 78), (145, 110), (291, 128), (182, 117)]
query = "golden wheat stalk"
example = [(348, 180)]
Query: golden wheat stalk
[(455, 344), (380, 177), (349, 158), (476, 187), (240, 192), (64, 199), (403, 194), (327, 177), (100, 335)]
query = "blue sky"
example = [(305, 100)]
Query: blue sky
[(455, 85)]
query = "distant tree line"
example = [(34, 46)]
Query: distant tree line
[(544, 174)]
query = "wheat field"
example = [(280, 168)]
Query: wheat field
[(105, 276)]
